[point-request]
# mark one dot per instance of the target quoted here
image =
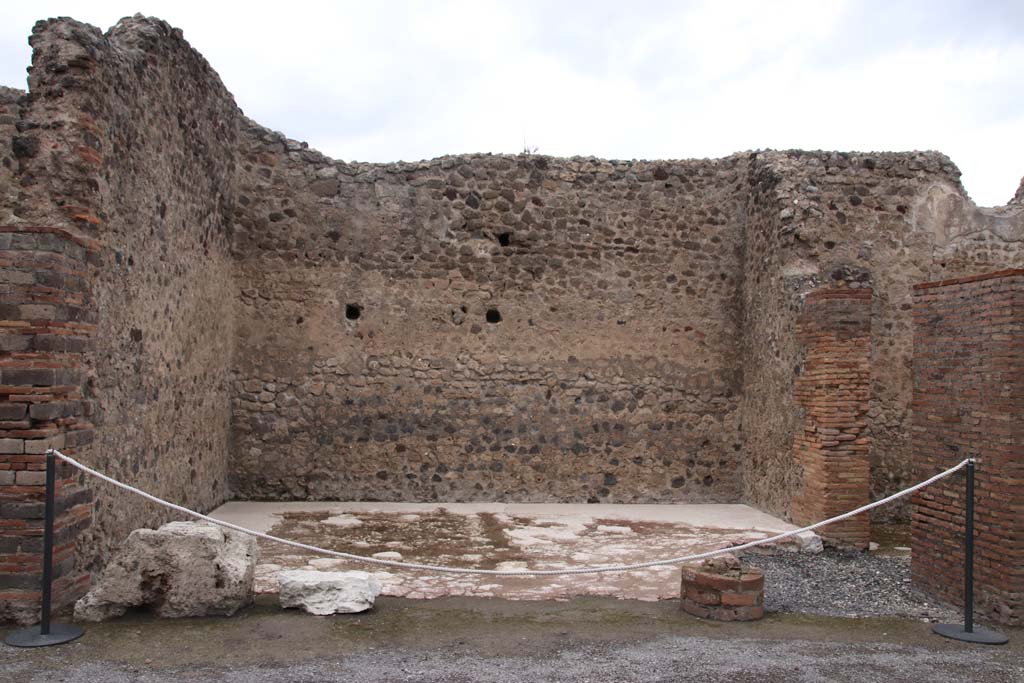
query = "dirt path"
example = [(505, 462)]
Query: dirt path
[(468, 639)]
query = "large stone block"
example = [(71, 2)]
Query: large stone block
[(182, 569), (325, 593)]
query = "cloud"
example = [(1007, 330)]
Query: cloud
[(409, 80)]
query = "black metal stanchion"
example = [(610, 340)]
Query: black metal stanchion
[(45, 633), (969, 632)]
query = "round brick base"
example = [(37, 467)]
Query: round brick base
[(723, 590)]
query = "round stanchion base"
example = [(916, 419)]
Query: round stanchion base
[(979, 635), (31, 637)]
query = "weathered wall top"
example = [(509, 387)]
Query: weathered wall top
[(1018, 198), (8, 159), (139, 72)]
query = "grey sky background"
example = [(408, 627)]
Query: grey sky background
[(382, 81)]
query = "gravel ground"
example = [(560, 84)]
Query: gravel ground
[(808, 637), (500, 641), (845, 584), (662, 660)]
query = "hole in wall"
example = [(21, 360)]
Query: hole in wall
[(493, 315), (353, 311), (505, 239)]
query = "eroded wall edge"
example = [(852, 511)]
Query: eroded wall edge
[(125, 143)]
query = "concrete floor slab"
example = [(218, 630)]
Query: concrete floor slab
[(504, 536)]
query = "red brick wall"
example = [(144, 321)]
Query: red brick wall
[(969, 402), (833, 389), (46, 321)]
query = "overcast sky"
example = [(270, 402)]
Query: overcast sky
[(381, 81)]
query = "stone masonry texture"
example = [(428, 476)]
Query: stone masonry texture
[(610, 376), (968, 403), (122, 147), (816, 218), (257, 320), (8, 162)]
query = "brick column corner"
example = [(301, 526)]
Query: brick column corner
[(47, 318), (969, 402), (832, 446)]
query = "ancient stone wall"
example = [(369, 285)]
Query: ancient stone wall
[(968, 402), (166, 132), (127, 142), (768, 350), (486, 327), (314, 230), (818, 218), (271, 323)]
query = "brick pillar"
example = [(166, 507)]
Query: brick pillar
[(832, 446), (969, 402), (46, 321)]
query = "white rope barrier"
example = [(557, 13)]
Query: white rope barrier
[(499, 572)]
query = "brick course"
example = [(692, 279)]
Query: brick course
[(969, 402), (43, 280)]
